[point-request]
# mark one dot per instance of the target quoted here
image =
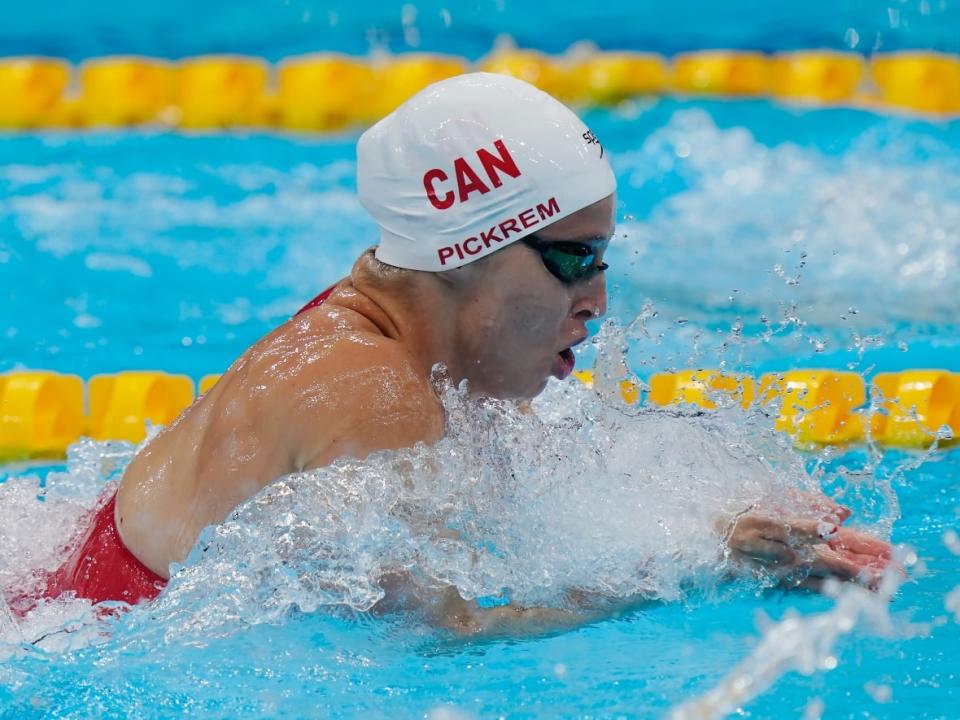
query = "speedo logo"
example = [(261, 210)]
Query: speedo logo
[(442, 192)]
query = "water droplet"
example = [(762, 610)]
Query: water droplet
[(879, 692)]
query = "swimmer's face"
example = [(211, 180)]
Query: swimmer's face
[(518, 322)]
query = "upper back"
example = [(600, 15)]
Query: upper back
[(325, 384)]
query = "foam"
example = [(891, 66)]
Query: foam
[(833, 250), (577, 496), (805, 644), (580, 497)]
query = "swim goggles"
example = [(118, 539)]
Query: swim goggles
[(569, 261)]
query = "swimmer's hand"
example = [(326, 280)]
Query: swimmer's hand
[(805, 552)]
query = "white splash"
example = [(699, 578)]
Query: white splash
[(755, 229), (39, 525), (952, 599), (578, 497), (797, 643)]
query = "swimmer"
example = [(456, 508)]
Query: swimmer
[(495, 205)]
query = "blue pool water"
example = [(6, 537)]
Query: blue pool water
[(764, 237), (178, 28), (172, 252), (163, 251)]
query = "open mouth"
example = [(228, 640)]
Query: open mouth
[(565, 363)]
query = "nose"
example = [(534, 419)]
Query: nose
[(590, 299)]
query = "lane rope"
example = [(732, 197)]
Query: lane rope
[(327, 92)]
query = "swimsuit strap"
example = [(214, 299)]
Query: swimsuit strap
[(318, 300)]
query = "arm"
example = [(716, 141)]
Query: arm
[(465, 617), (445, 608)]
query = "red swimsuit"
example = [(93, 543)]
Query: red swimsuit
[(102, 568)]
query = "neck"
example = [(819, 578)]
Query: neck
[(416, 309)]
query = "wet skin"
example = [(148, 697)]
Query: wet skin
[(352, 377)]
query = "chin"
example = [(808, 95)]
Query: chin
[(527, 391), (534, 390)]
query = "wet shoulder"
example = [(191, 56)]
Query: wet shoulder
[(330, 357)]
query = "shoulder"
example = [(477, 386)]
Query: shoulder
[(342, 388)]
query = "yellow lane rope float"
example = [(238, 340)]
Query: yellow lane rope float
[(217, 92), (328, 92), (732, 74), (42, 412)]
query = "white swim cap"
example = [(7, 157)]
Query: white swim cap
[(474, 163)]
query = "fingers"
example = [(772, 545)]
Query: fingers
[(840, 512), (766, 552), (861, 543), (774, 542), (829, 508), (791, 531), (830, 563), (825, 550)]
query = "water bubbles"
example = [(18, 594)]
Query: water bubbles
[(952, 603), (518, 510), (408, 19), (86, 321), (799, 238), (448, 712), (814, 709), (799, 643), (952, 541), (880, 692)]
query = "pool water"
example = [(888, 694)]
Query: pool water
[(180, 28), (836, 226), (218, 644), (136, 250), (751, 236)]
